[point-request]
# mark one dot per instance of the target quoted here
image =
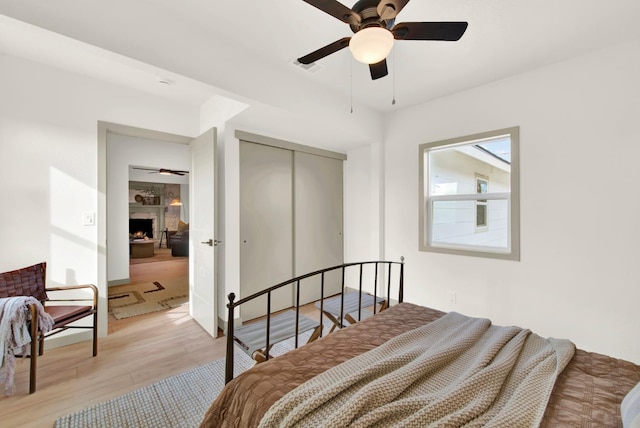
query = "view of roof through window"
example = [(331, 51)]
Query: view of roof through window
[(499, 148)]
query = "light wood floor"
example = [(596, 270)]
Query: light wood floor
[(138, 351)]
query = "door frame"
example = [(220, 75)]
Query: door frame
[(102, 221), (282, 144)]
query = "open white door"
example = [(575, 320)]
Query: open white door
[(202, 281)]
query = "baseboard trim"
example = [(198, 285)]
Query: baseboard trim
[(222, 324), (118, 282)]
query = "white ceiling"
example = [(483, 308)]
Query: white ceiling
[(244, 48)]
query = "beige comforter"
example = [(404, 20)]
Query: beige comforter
[(454, 371)]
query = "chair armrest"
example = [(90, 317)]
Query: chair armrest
[(93, 288)]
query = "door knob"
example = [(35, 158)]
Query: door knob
[(212, 242)]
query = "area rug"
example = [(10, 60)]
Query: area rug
[(131, 300), (178, 401)]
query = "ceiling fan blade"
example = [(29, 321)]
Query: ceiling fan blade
[(378, 69), (172, 171), (447, 31), (164, 171), (336, 9), (388, 9), (324, 51)]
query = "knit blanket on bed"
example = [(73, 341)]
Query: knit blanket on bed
[(14, 333), (455, 371)]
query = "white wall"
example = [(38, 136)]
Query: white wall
[(48, 164), (359, 241), (363, 209), (186, 203), (578, 277), (122, 151), (48, 133)]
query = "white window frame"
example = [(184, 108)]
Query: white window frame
[(426, 201), (483, 203)]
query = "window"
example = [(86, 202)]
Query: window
[(469, 195)]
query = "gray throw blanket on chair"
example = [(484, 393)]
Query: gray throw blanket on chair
[(14, 333), (456, 371)]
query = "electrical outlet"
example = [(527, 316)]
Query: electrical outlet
[(88, 218), (452, 297)]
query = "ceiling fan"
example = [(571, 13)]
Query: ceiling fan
[(372, 22), (163, 171)]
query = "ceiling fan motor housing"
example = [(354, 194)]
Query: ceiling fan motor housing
[(367, 9)]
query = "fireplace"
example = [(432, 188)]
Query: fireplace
[(142, 226)]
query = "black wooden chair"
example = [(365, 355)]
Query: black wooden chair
[(30, 281)]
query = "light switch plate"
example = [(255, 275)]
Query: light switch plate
[(88, 218)]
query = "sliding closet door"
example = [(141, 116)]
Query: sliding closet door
[(266, 225), (318, 221)]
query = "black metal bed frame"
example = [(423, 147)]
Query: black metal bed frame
[(232, 305)]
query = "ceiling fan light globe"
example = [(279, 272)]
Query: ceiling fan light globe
[(371, 45)]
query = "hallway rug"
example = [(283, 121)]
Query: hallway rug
[(130, 300)]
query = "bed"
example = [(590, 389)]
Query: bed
[(587, 389)]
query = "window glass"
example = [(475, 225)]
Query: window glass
[(469, 195)]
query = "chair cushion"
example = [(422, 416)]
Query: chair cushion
[(63, 314)]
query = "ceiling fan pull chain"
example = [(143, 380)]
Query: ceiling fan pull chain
[(351, 81), (393, 101)]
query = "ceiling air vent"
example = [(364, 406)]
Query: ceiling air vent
[(311, 68)]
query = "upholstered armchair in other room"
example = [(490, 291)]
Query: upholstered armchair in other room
[(180, 244), (30, 281), (180, 241)]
